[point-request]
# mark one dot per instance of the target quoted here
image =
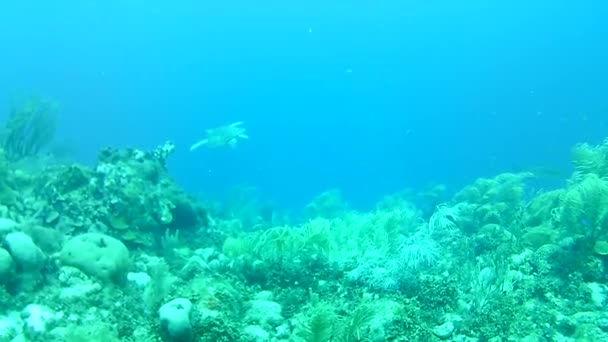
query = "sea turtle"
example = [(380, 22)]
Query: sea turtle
[(228, 135)]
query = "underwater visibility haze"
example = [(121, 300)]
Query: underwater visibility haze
[(303, 170)]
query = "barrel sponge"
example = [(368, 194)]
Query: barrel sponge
[(97, 255)]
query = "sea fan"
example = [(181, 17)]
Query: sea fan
[(444, 217), (319, 328), (418, 251)]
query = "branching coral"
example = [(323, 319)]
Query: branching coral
[(29, 129), (591, 159), (418, 251), (444, 218), (497, 200), (319, 327), (7, 194), (584, 209)]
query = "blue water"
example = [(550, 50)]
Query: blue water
[(366, 96)]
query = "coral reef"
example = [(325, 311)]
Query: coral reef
[(119, 252)]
